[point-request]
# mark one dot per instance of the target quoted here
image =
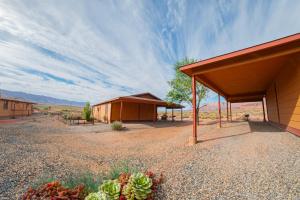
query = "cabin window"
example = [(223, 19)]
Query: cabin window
[(5, 105)]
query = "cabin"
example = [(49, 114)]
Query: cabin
[(15, 108), (269, 73), (138, 107)]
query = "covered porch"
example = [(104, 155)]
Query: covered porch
[(259, 73)]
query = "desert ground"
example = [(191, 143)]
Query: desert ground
[(241, 160)]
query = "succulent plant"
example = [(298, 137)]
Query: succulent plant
[(111, 189), (96, 196), (138, 187)]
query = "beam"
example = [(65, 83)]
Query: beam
[(219, 107), (263, 107), (227, 110), (194, 139), (154, 113), (230, 112), (204, 81), (181, 113)]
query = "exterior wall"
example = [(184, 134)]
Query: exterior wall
[(14, 108), (133, 112), (102, 112), (288, 97)]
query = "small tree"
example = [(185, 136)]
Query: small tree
[(87, 112), (181, 87)]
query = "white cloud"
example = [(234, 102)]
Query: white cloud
[(110, 48)]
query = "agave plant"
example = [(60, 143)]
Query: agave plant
[(138, 187), (95, 196), (111, 189)]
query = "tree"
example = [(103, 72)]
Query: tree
[(181, 87), (87, 112)]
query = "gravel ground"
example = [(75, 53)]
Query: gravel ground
[(239, 161)]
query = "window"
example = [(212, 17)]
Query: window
[(5, 105)]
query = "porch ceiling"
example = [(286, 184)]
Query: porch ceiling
[(245, 75)]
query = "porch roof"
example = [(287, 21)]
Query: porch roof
[(245, 75)]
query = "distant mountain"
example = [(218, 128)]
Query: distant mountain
[(38, 98)]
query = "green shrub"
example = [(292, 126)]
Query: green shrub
[(87, 112), (117, 126)]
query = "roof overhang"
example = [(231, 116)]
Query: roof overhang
[(245, 75), (134, 99)]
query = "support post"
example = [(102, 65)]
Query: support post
[(154, 113), (181, 113), (172, 115), (219, 107), (121, 111), (227, 110), (230, 111), (194, 138), (263, 106)]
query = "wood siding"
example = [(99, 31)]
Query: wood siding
[(102, 112), (131, 112), (287, 85), (10, 108)]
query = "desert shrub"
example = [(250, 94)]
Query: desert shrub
[(122, 182), (87, 112), (117, 126), (120, 168), (54, 190)]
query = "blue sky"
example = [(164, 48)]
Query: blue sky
[(94, 50)]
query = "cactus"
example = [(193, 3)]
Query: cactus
[(111, 189), (96, 196), (138, 187)]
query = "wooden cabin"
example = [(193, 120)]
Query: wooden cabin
[(139, 107), (14, 108), (268, 72)]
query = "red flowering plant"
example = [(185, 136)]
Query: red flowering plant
[(54, 191)]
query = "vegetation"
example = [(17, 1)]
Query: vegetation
[(87, 112), (111, 189), (181, 90), (117, 126), (138, 187), (121, 182)]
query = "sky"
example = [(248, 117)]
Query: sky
[(98, 49)]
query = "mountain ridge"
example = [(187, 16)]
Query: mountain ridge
[(42, 99)]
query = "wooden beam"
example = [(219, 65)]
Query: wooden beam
[(227, 110), (204, 81), (154, 113), (194, 110), (181, 113), (230, 112), (277, 104), (263, 107), (172, 115)]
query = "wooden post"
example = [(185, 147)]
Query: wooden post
[(230, 111), (121, 110), (172, 115), (227, 110), (181, 113), (194, 139), (263, 106), (154, 112), (219, 107)]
